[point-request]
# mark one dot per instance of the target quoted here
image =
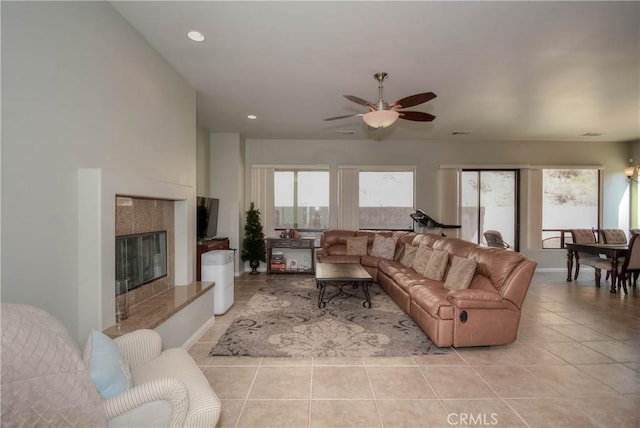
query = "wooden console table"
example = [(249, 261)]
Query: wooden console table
[(204, 246), (290, 255)]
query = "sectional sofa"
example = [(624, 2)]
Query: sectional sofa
[(459, 293)]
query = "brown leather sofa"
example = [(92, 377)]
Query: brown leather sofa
[(486, 313)]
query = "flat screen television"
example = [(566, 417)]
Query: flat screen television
[(207, 218)]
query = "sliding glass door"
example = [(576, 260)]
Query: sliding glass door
[(489, 201)]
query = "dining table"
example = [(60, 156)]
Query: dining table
[(613, 252)]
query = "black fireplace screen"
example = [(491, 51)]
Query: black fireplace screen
[(140, 259)]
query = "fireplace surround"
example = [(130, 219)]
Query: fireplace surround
[(144, 250)]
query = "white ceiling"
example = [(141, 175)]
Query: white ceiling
[(502, 70)]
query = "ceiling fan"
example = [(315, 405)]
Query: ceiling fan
[(382, 114)]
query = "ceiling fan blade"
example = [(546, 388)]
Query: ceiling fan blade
[(360, 101), (344, 117), (416, 116), (413, 100)]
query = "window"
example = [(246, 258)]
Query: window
[(570, 200), (386, 198), (301, 199), (489, 202)]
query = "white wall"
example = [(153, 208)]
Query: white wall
[(227, 153), (428, 156), (203, 187), (81, 90)]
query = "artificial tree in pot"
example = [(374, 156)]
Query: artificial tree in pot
[(253, 247)]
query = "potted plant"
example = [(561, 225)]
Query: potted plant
[(253, 247)]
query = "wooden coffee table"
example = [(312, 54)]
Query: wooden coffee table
[(340, 275)]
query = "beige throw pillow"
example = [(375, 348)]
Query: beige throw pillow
[(423, 254), (384, 247), (437, 265), (460, 273), (409, 255), (357, 245)]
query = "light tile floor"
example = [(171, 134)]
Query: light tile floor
[(576, 364)]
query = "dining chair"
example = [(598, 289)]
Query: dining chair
[(586, 236), (631, 263), (494, 239), (613, 236)]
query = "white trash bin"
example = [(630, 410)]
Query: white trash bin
[(217, 266)]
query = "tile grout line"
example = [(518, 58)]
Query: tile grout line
[(310, 393), (373, 392)]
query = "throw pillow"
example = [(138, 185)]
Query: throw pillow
[(408, 256), (384, 247), (423, 254), (460, 273), (107, 366), (437, 265), (357, 245)]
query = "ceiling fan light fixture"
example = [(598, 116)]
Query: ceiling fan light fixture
[(381, 118)]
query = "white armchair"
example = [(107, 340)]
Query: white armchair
[(45, 382)]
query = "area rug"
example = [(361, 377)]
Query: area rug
[(283, 320)]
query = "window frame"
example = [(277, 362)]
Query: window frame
[(517, 202), (564, 234), (295, 171), (382, 169)]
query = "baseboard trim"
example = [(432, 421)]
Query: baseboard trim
[(198, 333)]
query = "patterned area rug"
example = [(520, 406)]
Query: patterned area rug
[(283, 320)]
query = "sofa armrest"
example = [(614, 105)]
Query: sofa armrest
[(477, 299), (172, 390), (140, 346), (322, 252)]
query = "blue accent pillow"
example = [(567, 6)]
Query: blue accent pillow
[(107, 366)]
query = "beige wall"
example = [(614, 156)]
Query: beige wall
[(202, 167), (429, 156), (84, 98)]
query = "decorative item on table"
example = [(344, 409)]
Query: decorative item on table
[(284, 233), (292, 264), (278, 262), (122, 300)]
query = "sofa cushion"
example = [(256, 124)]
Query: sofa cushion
[(403, 276), (495, 263), (433, 299), (421, 259), (408, 255), (460, 273), (337, 250), (357, 246), (107, 366), (384, 247), (437, 265)]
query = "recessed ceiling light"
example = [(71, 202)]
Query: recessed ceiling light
[(461, 133), (252, 117), (196, 36), (592, 134)]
